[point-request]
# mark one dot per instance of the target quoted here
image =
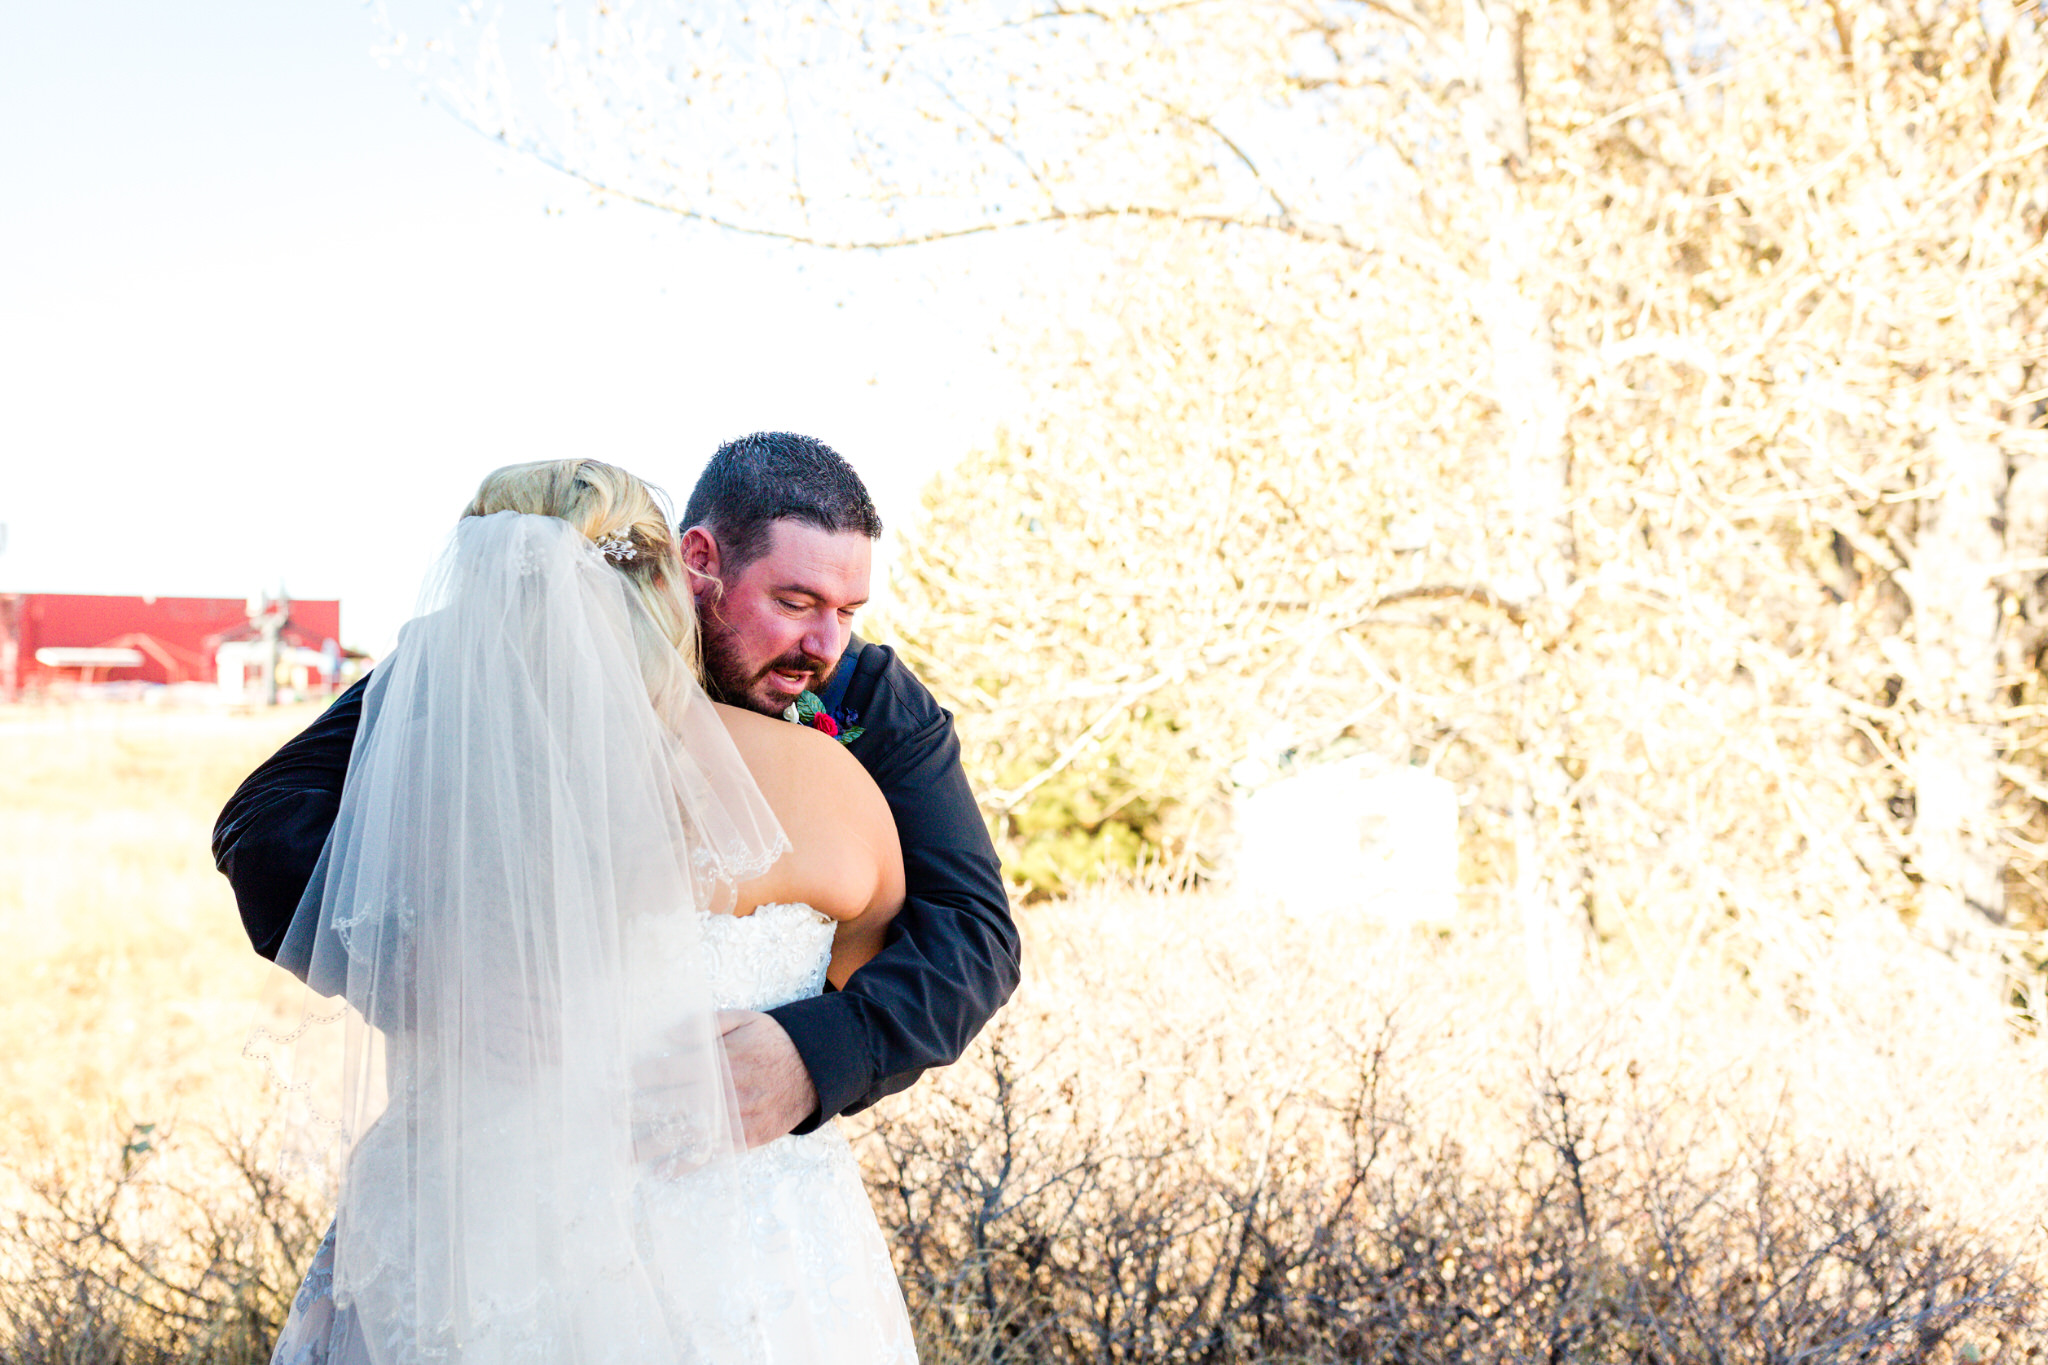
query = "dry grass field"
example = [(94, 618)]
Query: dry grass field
[(125, 982), (1200, 1132)]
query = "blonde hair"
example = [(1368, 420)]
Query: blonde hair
[(605, 502)]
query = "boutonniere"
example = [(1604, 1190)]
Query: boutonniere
[(807, 709)]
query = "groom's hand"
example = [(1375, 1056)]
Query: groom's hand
[(775, 1090)]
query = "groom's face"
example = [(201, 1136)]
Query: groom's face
[(780, 623)]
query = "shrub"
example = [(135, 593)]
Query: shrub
[(1205, 1135), (1202, 1134), (160, 1250)]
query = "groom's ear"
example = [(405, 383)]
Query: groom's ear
[(700, 558)]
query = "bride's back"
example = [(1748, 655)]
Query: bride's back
[(844, 859)]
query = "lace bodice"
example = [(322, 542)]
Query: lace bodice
[(769, 958), (752, 962)]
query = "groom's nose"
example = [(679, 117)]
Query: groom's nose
[(826, 639)]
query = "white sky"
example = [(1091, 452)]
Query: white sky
[(266, 317)]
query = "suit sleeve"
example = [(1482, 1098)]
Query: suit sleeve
[(270, 834), (952, 956)]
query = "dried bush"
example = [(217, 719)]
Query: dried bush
[(1205, 1140), (1114, 1247), (165, 1250), (1201, 1133)]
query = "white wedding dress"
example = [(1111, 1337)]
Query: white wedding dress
[(822, 1287)]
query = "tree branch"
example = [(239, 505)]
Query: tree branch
[(1324, 233)]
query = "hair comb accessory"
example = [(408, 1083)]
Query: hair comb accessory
[(617, 548)]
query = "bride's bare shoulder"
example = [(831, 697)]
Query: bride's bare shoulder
[(769, 744), (842, 835)]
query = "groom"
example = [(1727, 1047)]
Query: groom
[(778, 537)]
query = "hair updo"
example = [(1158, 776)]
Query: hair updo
[(605, 502)]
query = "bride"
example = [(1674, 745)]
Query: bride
[(556, 861)]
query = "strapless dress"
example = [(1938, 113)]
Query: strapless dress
[(830, 1294)]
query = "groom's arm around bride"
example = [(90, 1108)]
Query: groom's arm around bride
[(787, 512)]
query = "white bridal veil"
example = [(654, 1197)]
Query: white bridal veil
[(509, 1020)]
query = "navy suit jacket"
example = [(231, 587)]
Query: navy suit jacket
[(952, 955)]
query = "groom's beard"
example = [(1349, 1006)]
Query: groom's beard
[(728, 678)]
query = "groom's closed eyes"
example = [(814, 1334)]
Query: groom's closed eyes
[(797, 599)]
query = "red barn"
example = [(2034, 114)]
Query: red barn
[(50, 638)]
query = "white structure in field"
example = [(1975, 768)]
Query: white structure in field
[(1355, 837), (241, 666)]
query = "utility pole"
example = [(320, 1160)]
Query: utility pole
[(269, 615)]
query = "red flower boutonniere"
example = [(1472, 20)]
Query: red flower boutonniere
[(807, 709)]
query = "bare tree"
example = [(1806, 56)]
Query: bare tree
[(1704, 343)]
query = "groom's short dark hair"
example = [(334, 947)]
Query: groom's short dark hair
[(761, 479)]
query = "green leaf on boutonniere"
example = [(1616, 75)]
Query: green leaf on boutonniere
[(807, 709)]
